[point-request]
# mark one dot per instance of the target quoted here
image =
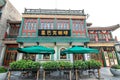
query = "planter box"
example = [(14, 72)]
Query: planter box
[(30, 69), (3, 76), (115, 72), (50, 69)]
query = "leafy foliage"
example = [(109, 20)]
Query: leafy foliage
[(3, 69), (93, 64), (24, 64), (77, 63), (115, 66), (65, 64), (87, 64), (50, 65)]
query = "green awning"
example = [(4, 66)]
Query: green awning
[(36, 50), (79, 50)]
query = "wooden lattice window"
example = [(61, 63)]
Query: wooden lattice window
[(63, 24), (30, 27), (78, 28)]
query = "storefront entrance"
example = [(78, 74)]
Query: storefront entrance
[(10, 54), (110, 57)]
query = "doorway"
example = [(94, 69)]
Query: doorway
[(10, 54)]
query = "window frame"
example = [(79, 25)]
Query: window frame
[(62, 54)]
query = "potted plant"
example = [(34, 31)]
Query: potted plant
[(24, 65), (115, 70), (79, 64), (93, 64), (52, 65), (65, 65), (3, 73)]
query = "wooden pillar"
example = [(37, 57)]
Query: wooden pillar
[(37, 75), (20, 55), (76, 74), (70, 75), (43, 75), (99, 73), (9, 73), (21, 27)]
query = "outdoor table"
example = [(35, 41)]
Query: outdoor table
[(21, 70)]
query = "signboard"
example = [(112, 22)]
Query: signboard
[(47, 32)]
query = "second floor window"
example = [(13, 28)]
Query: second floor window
[(92, 36), (30, 27), (46, 25), (62, 25)]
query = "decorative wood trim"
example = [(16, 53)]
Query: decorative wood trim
[(100, 44), (53, 16), (10, 42)]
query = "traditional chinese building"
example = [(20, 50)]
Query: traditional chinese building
[(102, 39), (54, 28), (7, 12), (10, 53), (117, 47), (58, 29)]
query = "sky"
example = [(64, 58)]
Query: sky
[(102, 13)]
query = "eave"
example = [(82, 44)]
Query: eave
[(111, 28)]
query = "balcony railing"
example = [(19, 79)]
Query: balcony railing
[(102, 40), (10, 38), (54, 12)]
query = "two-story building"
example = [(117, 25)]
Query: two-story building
[(10, 43), (102, 39), (54, 28), (7, 12), (58, 29)]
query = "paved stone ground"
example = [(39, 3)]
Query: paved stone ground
[(105, 75)]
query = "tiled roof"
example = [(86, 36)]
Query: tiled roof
[(114, 27)]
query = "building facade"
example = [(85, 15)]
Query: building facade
[(7, 12), (117, 47), (102, 39), (10, 43), (58, 29)]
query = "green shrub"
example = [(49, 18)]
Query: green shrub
[(65, 64), (3, 69), (50, 65), (24, 64), (93, 63), (78, 64), (115, 66)]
